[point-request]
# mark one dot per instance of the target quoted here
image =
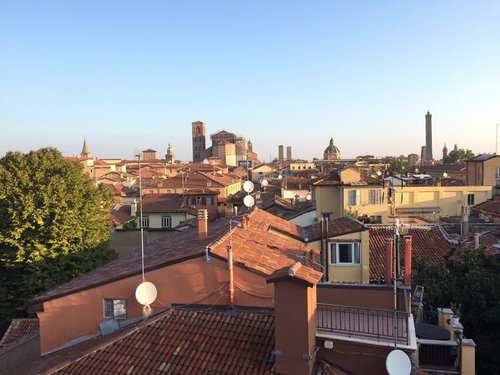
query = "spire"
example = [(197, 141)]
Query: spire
[(85, 148)]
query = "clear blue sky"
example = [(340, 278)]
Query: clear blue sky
[(131, 75)]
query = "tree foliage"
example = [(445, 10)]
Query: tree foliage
[(397, 166), (472, 281), (458, 155), (53, 225)]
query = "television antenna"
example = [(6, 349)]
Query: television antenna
[(146, 292)]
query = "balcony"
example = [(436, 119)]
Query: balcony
[(367, 324)]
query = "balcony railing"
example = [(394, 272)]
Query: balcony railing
[(363, 323), (437, 354)]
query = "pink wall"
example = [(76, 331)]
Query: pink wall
[(192, 281)]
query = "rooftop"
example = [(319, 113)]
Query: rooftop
[(428, 241), (175, 342)]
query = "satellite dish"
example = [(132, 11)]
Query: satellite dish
[(398, 363), (265, 182), (309, 197), (146, 293), (280, 177), (445, 174), (205, 161), (248, 186), (249, 201)]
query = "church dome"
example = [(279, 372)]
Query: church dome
[(332, 151)]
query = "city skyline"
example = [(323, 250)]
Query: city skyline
[(128, 76)]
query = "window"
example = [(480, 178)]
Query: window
[(354, 196), (145, 221), (209, 201), (497, 173), (166, 222), (376, 219), (470, 199), (374, 196), (115, 308), (345, 253)]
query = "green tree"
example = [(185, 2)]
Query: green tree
[(397, 166), (53, 225), (470, 279), (458, 155)]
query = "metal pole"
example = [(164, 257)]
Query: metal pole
[(140, 215)]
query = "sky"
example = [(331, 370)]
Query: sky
[(131, 75)]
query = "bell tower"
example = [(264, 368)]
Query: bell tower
[(199, 139)]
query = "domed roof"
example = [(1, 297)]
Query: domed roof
[(332, 149)]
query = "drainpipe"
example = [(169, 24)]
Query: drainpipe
[(327, 251), (408, 254), (231, 276), (389, 247)]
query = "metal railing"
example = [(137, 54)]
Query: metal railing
[(438, 354), (362, 322)]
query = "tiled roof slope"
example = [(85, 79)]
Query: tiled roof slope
[(427, 242), (491, 206), (121, 215), (176, 342), (254, 248), (258, 249), (298, 272), (160, 203), (177, 246), (336, 227), (20, 329)]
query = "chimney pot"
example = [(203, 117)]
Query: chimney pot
[(408, 255), (202, 224)]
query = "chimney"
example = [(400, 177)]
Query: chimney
[(245, 221), (408, 255), (476, 241), (389, 255), (202, 224), (295, 318)]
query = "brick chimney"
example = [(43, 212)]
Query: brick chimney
[(202, 224), (408, 255), (389, 261), (295, 318)]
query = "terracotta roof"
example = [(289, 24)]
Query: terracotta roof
[(258, 249), (280, 225), (161, 203), (176, 342), (20, 329), (427, 242), (336, 227), (491, 206), (254, 248), (329, 180), (200, 191), (175, 247), (121, 215), (297, 272)]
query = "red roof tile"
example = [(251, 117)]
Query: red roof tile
[(161, 203), (175, 342), (254, 248), (20, 329), (298, 272), (427, 242), (336, 227)]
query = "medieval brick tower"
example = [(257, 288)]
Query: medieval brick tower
[(199, 139), (428, 137)]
